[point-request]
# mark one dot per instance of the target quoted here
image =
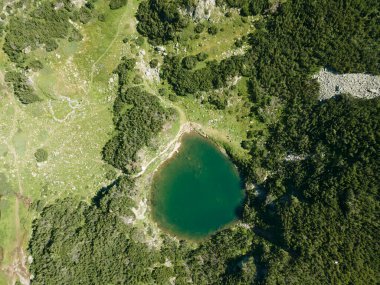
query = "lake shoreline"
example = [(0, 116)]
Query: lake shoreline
[(199, 177), (167, 154)]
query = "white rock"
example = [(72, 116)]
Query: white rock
[(78, 3), (359, 85), (202, 10)]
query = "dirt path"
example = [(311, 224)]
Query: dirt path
[(170, 149), (173, 146)]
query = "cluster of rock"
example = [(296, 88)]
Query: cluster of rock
[(202, 10), (78, 3), (357, 84)]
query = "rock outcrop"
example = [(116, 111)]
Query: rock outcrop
[(202, 10)]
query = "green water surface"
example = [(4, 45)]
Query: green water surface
[(198, 191)]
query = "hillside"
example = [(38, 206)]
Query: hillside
[(95, 96)]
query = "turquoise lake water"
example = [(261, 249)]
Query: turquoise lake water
[(198, 191)]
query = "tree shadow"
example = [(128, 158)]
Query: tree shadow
[(103, 192)]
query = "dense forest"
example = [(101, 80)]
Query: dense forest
[(320, 202), (160, 20), (312, 215), (138, 117)]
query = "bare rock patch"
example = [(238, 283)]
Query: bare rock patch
[(359, 85)]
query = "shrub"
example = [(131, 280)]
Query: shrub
[(116, 4), (41, 155), (160, 20), (163, 92), (239, 43), (43, 26), (140, 41), (138, 117), (189, 62), (84, 15), (102, 17), (199, 28), (213, 30), (138, 80), (218, 100), (153, 63), (75, 36), (173, 97), (35, 65), (202, 56)]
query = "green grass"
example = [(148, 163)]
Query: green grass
[(217, 46), (7, 224), (224, 126)]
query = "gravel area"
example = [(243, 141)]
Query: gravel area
[(359, 85)]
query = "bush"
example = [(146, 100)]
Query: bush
[(160, 20), (41, 155), (163, 92), (153, 63), (173, 97), (247, 7), (239, 43), (102, 17), (138, 116), (199, 28), (138, 80), (213, 30), (202, 56), (140, 41), (84, 15), (75, 36), (218, 100), (35, 65), (122, 70), (189, 62), (116, 4), (51, 45), (213, 76)]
